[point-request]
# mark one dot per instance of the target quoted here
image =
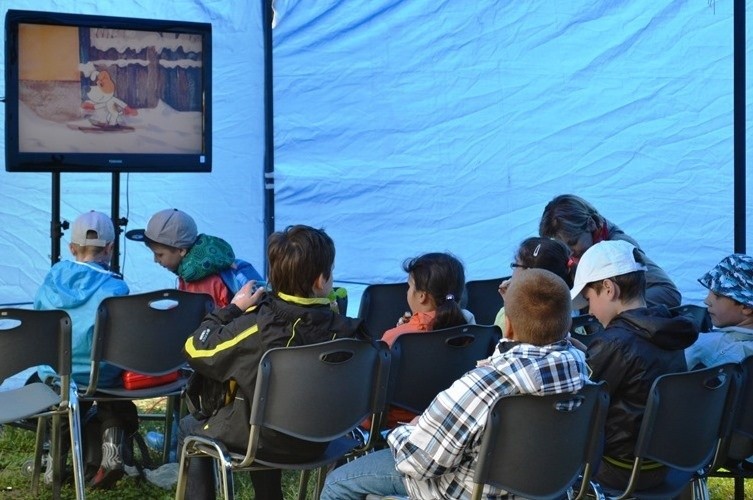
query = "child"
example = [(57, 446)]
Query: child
[(226, 349), (435, 286), (78, 287), (576, 222), (637, 345), (730, 305), (203, 263), (540, 253), (434, 456)]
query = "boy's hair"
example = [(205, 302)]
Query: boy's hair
[(442, 276), (546, 253), (538, 306), (297, 257), (567, 217), (91, 253), (632, 285)]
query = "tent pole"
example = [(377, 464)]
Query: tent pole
[(269, 160), (739, 125)]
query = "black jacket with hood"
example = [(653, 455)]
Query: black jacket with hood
[(225, 352), (635, 348)]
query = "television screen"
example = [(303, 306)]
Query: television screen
[(94, 93)]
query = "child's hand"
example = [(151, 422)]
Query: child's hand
[(404, 318), (249, 295)]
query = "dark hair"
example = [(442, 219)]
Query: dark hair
[(567, 216), (297, 257), (538, 306), (632, 285), (546, 253), (442, 276)]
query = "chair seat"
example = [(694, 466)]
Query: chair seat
[(27, 401), (335, 450), (172, 389), (675, 481)]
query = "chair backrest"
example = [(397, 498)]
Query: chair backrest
[(426, 363), (584, 327), (739, 446), (483, 299), (30, 338), (382, 305), (319, 392), (686, 417), (699, 315), (146, 332), (538, 446)]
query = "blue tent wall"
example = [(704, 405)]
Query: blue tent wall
[(227, 203), (405, 127)]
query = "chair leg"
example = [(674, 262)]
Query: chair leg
[(170, 407), (321, 475), (739, 488), (77, 456), (303, 484), (56, 456), (38, 445), (180, 490), (226, 478)]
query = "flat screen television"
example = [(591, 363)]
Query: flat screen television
[(87, 93)]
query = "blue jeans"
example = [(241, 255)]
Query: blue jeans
[(374, 473)]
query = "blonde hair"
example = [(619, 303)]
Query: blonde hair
[(91, 253), (538, 306)]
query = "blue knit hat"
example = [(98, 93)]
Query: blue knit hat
[(733, 278)]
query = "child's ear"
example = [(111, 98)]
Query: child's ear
[(73, 249), (319, 283), (747, 311), (508, 333)]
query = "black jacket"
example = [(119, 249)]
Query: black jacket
[(629, 354), (228, 347)]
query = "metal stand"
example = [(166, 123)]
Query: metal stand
[(57, 226)]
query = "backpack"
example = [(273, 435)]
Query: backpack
[(204, 396), (238, 274)]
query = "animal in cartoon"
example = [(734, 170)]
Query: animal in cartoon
[(103, 108)]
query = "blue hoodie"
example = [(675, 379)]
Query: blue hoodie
[(78, 288)]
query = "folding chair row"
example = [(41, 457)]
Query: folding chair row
[(142, 333)]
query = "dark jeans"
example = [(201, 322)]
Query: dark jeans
[(201, 483)]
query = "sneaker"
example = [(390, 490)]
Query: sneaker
[(106, 478)]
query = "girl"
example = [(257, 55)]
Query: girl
[(435, 286)]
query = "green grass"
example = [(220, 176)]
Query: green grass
[(17, 446)]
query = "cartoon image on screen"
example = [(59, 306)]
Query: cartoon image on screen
[(107, 90)]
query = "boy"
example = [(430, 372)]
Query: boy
[(433, 456), (78, 287), (226, 349), (578, 224), (730, 305), (203, 263), (637, 345)]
